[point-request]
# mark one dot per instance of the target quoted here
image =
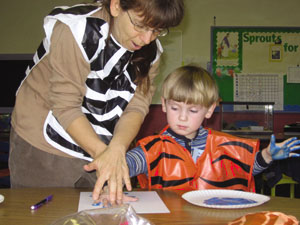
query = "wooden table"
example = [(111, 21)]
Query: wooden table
[(15, 209)]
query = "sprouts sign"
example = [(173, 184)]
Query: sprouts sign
[(252, 50)]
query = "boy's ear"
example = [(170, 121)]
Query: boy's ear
[(115, 7), (163, 104), (210, 111)]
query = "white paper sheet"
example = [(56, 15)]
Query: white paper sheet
[(149, 202), (259, 88), (293, 75)]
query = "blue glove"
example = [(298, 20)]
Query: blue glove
[(286, 150)]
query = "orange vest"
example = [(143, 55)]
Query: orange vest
[(226, 163)]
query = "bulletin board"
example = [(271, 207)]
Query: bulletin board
[(259, 64)]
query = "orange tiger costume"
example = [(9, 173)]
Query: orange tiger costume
[(226, 163)]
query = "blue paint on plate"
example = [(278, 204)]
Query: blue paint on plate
[(228, 201)]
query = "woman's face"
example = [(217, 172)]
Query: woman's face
[(124, 30)]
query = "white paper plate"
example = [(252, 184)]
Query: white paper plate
[(1, 198), (225, 199)]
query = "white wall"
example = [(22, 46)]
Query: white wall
[(21, 23)]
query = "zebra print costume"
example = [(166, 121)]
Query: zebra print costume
[(109, 84)]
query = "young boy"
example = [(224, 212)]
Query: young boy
[(187, 156)]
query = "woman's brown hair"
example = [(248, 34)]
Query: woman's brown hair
[(156, 14)]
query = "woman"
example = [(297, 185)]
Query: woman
[(87, 93)]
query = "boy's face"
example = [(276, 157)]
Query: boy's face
[(185, 119)]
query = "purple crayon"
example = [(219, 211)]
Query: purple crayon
[(43, 202)]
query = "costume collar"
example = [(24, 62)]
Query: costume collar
[(185, 139)]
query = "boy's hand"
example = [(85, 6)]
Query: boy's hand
[(284, 149), (104, 198)]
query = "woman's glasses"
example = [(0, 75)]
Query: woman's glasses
[(143, 29)]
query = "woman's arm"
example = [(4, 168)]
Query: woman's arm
[(69, 71), (109, 161), (111, 164), (84, 135)]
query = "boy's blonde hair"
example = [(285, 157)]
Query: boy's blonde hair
[(191, 84)]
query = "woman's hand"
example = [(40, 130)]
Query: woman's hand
[(284, 149), (110, 166)]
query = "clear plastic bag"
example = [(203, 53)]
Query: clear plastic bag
[(116, 215)]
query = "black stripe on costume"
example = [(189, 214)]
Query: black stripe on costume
[(63, 142), (122, 84), (92, 36), (151, 143), (105, 55), (101, 108), (159, 180), (240, 144), (75, 10), (31, 64), (227, 183), (101, 86), (105, 138), (119, 68), (41, 51), (107, 124), (244, 166), (161, 156)]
